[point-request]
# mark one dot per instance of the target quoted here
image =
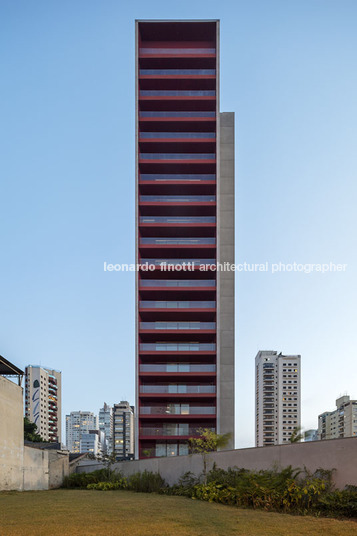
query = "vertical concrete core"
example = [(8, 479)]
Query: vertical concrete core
[(225, 278)]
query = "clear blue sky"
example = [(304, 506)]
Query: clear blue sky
[(289, 72)]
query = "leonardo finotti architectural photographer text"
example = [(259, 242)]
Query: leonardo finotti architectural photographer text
[(279, 267)]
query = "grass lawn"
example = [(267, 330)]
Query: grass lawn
[(125, 513)]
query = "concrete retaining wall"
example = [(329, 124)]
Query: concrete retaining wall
[(44, 469), (24, 467), (339, 454), (35, 469), (11, 435)]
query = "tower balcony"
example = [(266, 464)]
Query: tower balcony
[(183, 306), (180, 347), (177, 389), (176, 410), (174, 431), (177, 200), (177, 74), (178, 327), (182, 138)]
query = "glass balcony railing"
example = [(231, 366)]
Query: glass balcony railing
[(177, 347), (177, 389), (147, 50), (177, 219), (177, 409), (177, 304), (177, 283), (177, 156), (177, 114), (178, 93), (175, 430), (177, 135), (177, 177), (177, 241), (177, 367), (177, 72), (178, 325), (178, 198), (178, 262)]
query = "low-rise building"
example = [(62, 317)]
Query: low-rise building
[(310, 435), (342, 422)]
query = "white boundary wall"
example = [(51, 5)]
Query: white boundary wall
[(338, 454)]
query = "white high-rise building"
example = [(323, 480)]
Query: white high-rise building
[(278, 397), (106, 426), (342, 422), (43, 401), (77, 424), (93, 442), (123, 431)]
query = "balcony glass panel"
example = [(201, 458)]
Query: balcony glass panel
[(169, 72), (177, 304), (177, 198), (177, 367), (177, 262), (178, 389), (178, 325), (178, 135), (177, 177), (170, 430), (177, 93), (178, 241), (177, 114), (145, 50), (178, 409), (177, 283), (177, 219), (177, 156), (177, 347)]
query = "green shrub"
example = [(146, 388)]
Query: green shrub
[(184, 487), (287, 490), (81, 480), (339, 503), (146, 482), (107, 486)]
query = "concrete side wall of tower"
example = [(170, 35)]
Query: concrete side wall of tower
[(225, 294)]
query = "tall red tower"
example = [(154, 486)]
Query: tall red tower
[(185, 312)]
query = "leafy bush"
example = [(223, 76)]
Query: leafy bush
[(184, 487), (107, 486), (81, 480), (146, 482), (287, 490), (339, 503)]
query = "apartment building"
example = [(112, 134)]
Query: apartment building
[(43, 401), (278, 397), (184, 221), (342, 422), (105, 424), (77, 424), (123, 431), (93, 442)]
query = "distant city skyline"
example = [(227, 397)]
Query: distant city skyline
[(67, 168)]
